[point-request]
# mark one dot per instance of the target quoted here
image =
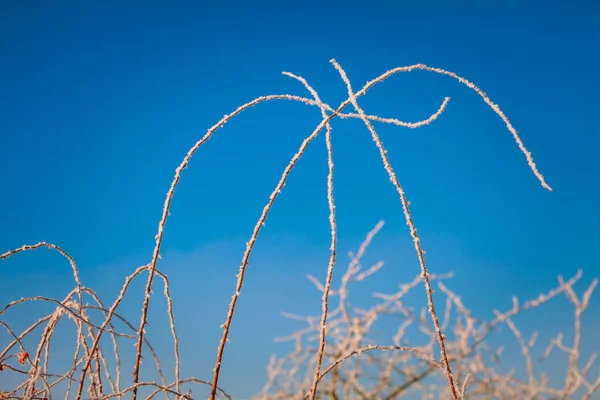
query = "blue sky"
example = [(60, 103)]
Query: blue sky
[(101, 102)]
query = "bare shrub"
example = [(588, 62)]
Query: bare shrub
[(334, 364), (360, 366)]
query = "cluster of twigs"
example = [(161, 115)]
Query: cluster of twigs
[(89, 368), (400, 370)]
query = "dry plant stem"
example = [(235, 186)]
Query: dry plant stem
[(114, 339), (187, 380), (61, 305), (49, 246), (463, 392), (592, 390), (355, 261), (35, 371), (485, 98), (580, 306), (410, 223), (419, 353), (61, 251), (167, 294), (333, 225), (524, 350)]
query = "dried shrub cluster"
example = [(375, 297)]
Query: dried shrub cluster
[(359, 366), (331, 368)]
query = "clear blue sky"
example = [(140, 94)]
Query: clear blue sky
[(99, 104)]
